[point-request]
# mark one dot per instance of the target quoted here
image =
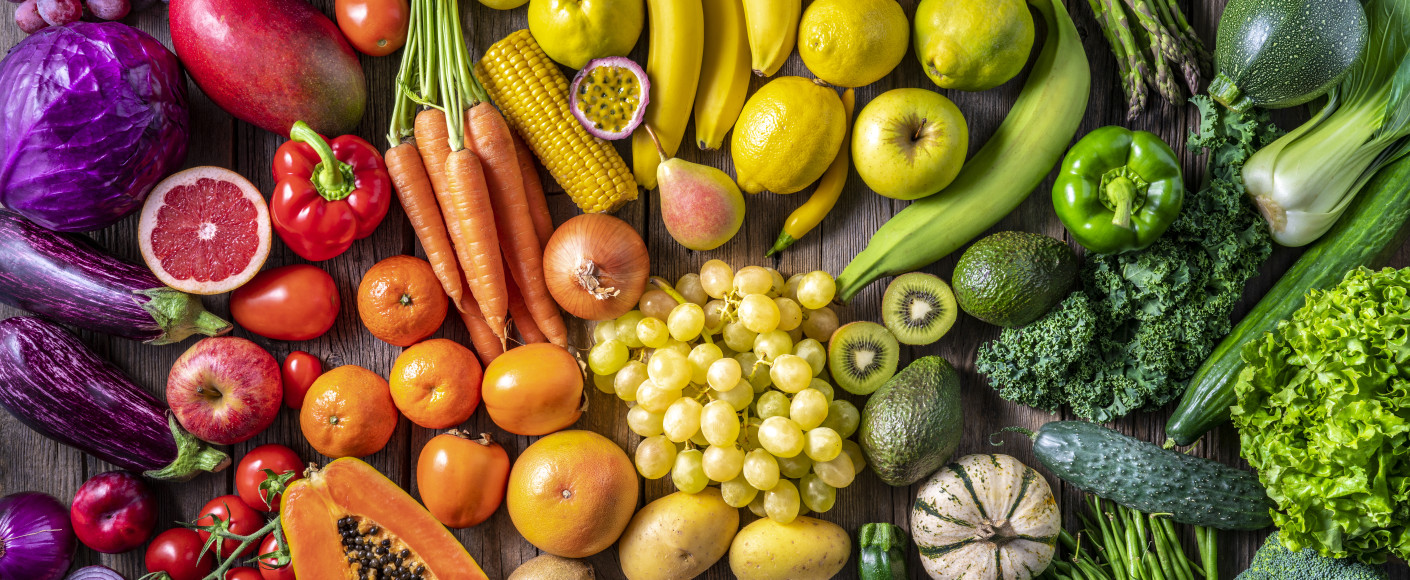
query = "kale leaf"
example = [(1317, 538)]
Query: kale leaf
[(1143, 321)]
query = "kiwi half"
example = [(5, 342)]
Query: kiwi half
[(862, 356), (918, 308)]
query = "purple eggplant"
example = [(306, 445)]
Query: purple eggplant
[(66, 278), (51, 382)]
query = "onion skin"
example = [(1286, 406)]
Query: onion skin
[(601, 251), (95, 573), (36, 537)]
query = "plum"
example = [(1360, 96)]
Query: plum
[(114, 512)]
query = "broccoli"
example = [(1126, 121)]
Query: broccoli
[(1273, 561)]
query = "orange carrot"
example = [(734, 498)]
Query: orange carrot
[(519, 314), (464, 198), (533, 191), (487, 344), (418, 198), (491, 139)]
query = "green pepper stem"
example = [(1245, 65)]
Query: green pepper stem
[(329, 176), (1122, 194)]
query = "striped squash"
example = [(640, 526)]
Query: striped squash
[(985, 517)]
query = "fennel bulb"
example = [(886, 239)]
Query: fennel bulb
[(1303, 181)]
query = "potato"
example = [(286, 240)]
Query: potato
[(550, 567), (806, 549), (678, 536)]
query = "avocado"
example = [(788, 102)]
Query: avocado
[(1013, 278), (911, 426)]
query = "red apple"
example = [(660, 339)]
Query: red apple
[(114, 512), (225, 389)]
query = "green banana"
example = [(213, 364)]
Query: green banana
[(1021, 153)]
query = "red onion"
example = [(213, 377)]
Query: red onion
[(36, 538), (95, 573)]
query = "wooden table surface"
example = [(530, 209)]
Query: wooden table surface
[(31, 462)]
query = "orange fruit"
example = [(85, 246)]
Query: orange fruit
[(348, 412), (436, 383), (401, 301), (572, 493), (534, 389)]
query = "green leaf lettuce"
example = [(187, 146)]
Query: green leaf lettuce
[(1322, 411)]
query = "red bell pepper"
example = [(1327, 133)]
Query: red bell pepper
[(328, 193)]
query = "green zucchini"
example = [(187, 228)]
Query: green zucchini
[(1282, 53), (1370, 232), (1000, 176), (1144, 477)]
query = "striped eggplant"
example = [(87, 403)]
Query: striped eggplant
[(54, 384), (65, 277)]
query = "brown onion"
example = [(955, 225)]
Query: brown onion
[(596, 266)]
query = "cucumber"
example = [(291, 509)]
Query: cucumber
[(1370, 232), (1282, 53), (1149, 479)]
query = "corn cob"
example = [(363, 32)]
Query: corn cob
[(533, 95)]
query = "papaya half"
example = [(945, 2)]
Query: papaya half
[(348, 521)]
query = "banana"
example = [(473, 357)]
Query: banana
[(773, 30), (724, 75), (673, 65)]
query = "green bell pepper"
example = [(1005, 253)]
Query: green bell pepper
[(882, 549), (1118, 190)]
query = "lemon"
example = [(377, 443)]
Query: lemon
[(573, 32), (852, 43), (787, 135), (504, 4), (973, 45)]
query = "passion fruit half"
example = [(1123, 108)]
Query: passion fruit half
[(609, 97)]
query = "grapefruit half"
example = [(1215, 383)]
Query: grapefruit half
[(204, 230)]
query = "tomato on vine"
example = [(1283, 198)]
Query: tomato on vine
[(253, 473)]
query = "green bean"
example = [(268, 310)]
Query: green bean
[(1180, 559), (1092, 571), (1162, 550), (1149, 561), (1134, 546), (1208, 551)]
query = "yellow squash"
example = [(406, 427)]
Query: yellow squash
[(673, 65)]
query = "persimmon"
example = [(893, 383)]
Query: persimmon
[(436, 383), (534, 389), (401, 301), (348, 412), (461, 480)]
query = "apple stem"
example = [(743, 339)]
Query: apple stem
[(920, 129), (655, 140)]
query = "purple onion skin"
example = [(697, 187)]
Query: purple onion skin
[(94, 573), (36, 538), (51, 382), (65, 277)]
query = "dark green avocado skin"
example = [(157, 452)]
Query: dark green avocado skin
[(911, 426), (1010, 279), (1144, 476)]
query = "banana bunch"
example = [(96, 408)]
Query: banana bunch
[(673, 65), (773, 30)]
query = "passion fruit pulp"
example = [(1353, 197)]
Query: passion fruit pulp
[(609, 97)]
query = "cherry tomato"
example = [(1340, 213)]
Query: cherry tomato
[(296, 302), (242, 573), (243, 522), (300, 370), (374, 27), (178, 553), (250, 474), (268, 566)]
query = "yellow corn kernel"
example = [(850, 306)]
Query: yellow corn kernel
[(533, 96)]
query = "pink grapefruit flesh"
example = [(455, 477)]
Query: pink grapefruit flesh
[(205, 230)]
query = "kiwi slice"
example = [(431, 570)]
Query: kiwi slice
[(918, 308), (862, 356)]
